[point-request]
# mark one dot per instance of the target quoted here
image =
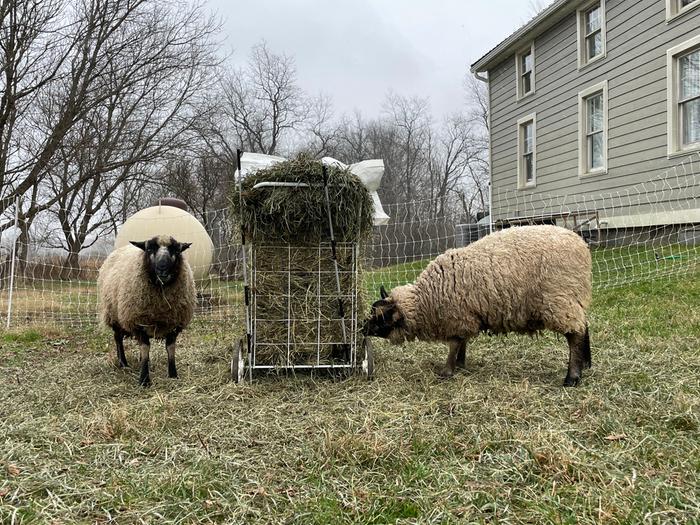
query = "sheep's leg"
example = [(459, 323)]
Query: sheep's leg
[(576, 358), (170, 348), (145, 346), (587, 363), (449, 369), (119, 340), (462, 354)]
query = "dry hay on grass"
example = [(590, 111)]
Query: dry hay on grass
[(501, 442), (296, 310)]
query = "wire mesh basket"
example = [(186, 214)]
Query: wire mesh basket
[(301, 305)]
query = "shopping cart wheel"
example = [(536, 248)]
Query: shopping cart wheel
[(237, 364), (368, 361)]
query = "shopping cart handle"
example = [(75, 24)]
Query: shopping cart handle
[(283, 185)]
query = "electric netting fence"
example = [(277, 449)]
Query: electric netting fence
[(648, 231)]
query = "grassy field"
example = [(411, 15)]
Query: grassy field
[(502, 442), (53, 301)]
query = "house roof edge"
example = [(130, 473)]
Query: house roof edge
[(540, 23)]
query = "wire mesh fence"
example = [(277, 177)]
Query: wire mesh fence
[(642, 232)]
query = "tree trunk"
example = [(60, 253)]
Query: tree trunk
[(71, 265), (23, 246)]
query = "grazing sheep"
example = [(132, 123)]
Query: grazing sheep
[(522, 280), (147, 291)]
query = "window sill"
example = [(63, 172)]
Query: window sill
[(683, 152), (593, 60), (679, 14), (530, 186), (592, 174), (526, 96)]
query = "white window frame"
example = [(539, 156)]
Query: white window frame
[(583, 170), (672, 84), (581, 33), (519, 95), (674, 9), (522, 183)]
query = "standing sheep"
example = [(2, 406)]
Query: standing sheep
[(522, 280), (147, 291)]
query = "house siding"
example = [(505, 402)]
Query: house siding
[(638, 36)]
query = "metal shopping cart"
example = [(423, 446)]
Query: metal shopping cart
[(301, 303)]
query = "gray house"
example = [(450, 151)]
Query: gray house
[(595, 100)]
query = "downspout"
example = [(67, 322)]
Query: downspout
[(485, 80)]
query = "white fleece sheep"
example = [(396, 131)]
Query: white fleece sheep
[(147, 290), (522, 279)]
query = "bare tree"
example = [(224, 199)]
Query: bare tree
[(106, 48), (322, 132), (410, 117), (477, 102), (352, 137), (202, 183), (32, 55), (143, 107), (450, 154), (263, 101), (478, 168)]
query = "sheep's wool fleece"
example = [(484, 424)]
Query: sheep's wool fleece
[(520, 279), (129, 299)]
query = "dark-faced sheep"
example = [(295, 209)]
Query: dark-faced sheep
[(147, 291), (521, 280)]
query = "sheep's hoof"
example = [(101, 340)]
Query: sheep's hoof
[(145, 382), (571, 381), (446, 372), (122, 364)]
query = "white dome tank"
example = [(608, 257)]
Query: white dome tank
[(178, 223)]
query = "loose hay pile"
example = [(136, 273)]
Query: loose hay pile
[(298, 215), (296, 313)]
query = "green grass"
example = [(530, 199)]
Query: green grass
[(612, 267), (501, 442), (22, 336)]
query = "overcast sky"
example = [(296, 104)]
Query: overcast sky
[(356, 50)]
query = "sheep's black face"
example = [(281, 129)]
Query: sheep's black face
[(384, 317), (163, 258)]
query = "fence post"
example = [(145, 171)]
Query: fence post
[(12, 265)]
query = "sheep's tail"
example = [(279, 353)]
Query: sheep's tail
[(586, 349)]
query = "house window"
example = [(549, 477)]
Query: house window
[(689, 98), (593, 130), (677, 7), (527, 148), (525, 71), (591, 30), (684, 96)]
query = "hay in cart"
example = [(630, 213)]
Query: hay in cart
[(304, 312)]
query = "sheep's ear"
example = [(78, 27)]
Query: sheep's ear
[(139, 244), (382, 292), (184, 246)]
